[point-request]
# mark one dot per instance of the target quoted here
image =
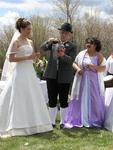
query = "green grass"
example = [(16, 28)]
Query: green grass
[(67, 139)]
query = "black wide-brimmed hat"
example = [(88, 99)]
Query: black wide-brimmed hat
[(66, 27)]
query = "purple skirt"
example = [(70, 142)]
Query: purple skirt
[(95, 103)]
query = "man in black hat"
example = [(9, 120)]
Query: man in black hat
[(59, 72)]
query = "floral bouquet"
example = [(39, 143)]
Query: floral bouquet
[(39, 66)]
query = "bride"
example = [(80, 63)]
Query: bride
[(23, 110)]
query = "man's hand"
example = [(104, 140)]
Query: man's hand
[(52, 40)]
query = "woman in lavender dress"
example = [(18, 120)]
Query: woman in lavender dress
[(86, 107)]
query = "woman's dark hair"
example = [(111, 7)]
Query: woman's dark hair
[(96, 42), (22, 23)]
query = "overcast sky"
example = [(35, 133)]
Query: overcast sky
[(11, 9)]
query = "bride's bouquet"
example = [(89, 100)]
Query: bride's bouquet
[(39, 66)]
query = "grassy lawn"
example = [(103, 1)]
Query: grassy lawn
[(68, 139)]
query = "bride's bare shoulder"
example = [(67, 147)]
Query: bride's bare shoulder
[(15, 43), (29, 40)]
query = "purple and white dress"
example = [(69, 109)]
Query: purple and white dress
[(87, 108)]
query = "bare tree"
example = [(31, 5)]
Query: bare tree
[(5, 38), (66, 9), (40, 30)]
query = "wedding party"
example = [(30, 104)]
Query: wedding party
[(56, 75)]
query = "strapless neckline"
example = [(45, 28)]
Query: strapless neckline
[(26, 45)]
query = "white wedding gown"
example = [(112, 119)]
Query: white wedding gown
[(23, 110)]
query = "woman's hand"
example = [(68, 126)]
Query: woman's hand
[(77, 68), (97, 68), (38, 55), (80, 71), (91, 66), (32, 56)]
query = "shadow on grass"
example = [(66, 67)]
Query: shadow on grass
[(46, 136), (81, 132)]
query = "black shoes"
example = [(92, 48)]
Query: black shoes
[(54, 125), (61, 126)]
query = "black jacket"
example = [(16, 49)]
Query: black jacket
[(60, 67)]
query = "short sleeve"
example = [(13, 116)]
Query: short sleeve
[(76, 59)]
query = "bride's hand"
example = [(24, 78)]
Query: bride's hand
[(38, 55), (32, 56)]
